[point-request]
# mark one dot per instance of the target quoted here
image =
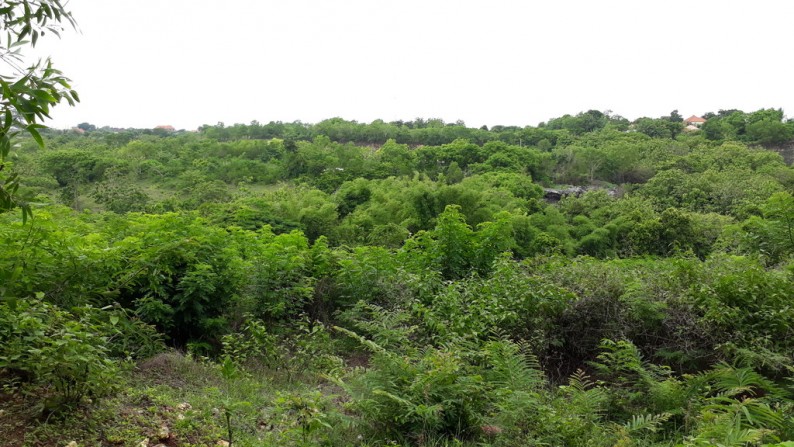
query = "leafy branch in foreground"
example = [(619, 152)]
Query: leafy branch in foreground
[(27, 93)]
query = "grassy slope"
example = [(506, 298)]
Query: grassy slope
[(170, 400)]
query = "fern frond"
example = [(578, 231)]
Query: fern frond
[(734, 381), (580, 381), (510, 367), (648, 422), (531, 359), (369, 344), (729, 431), (758, 357), (584, 394), (408, 404)]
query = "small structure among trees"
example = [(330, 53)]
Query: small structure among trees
[(694, 122)]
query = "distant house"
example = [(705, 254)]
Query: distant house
[(166, 127), (695, 121)]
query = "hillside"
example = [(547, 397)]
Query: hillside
[(405, 283)]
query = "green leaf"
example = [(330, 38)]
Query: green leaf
[(35, 134), (45, 96)]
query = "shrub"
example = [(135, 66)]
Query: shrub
[(445, 392), (48, 347)]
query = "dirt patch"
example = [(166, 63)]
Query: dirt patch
[(358, 360), (13, 420), (161, 369)]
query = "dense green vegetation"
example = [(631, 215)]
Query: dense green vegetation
[(406, 283)]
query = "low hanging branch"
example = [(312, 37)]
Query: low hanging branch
[(27, 93)]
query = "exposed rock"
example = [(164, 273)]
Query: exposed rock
[(786, 150), (144, 443), (164, 433), (555, 195), (72, 444), (552, 195), (222, 443), (184, 406)]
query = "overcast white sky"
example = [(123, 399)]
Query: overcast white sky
[(142, 63)]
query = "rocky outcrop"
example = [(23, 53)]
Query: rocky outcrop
[(552, 195), (786, 150)]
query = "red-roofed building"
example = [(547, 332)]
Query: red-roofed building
[(694, 121)]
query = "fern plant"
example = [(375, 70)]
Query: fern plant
[(636, 386), (640, 428), (446, 391), (737, 409)]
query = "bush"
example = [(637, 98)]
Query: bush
[(44, 346), (444, 392)]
